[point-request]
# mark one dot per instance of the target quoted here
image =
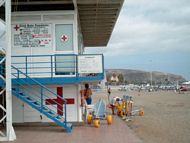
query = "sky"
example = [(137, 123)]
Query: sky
[(150, 35)]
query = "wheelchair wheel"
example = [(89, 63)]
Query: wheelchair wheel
[(97, 123), (89, 119), (109, 119)]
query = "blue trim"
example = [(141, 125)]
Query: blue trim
[(59, 80)]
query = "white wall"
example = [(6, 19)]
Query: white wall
[(51, 19)]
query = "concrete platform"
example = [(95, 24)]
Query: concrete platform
[(118, 132)]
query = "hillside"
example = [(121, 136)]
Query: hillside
[(138, 76)]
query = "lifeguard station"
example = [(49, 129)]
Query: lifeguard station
[(42, 63)]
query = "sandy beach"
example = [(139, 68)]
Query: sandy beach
[(166, 119)]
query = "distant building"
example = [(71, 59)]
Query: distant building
[(103, 82), (114, 78)]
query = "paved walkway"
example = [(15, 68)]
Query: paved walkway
[(118, 132)]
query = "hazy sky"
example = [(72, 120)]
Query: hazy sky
[(151, 35)]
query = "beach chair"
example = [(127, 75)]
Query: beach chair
[(98, 114)]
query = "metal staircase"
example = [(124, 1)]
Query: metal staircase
[(36, 98)]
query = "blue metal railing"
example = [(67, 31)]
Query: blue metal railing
[(40, 93), (46, 65), (58, 65)]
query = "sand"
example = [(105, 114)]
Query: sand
[(166, 119)]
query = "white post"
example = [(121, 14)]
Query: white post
[(10, 131), (75, 35), (151, 79), (151, 75)]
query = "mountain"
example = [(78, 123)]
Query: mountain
[(138, 76)]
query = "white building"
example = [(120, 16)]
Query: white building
[(45, 65), (114, 79)]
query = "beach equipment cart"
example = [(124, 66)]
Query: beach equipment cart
[(98, 114)]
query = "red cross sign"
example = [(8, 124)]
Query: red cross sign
[(64, 38), (17, 27), (59, 101)]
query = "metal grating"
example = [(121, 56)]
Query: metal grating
[(98, 18)]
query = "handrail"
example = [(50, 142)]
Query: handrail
[(38, 83), (49, 65), (42, 95)]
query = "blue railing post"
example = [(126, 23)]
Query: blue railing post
[(65, 103), (51, 66), (17, 74), (26, 62), (41, 99), (18, 78), (77, 74)]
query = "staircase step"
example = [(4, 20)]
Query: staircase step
[(59, 117), (45, 109), (30, 99), (51, 113), (22, 94), (37, 103)]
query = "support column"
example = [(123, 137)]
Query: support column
[(10, 131)]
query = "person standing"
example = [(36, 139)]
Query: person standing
[(88, 94), (109, 93)]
